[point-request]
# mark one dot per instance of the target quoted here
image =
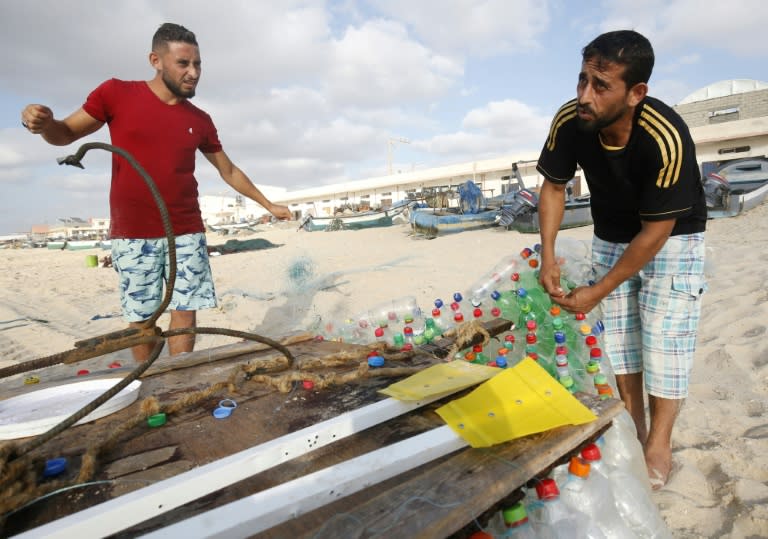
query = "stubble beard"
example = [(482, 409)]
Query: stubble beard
[(176, 89)]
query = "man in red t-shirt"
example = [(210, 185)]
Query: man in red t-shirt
[(155, 123)]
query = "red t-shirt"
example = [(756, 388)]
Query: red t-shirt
[(163, 139)]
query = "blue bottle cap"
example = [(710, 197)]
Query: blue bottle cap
[(501, 362), (457, 297), (598, 328), (222, 412), (495, 295), (522, 292), (439, 303), (376, 361), (54, 467), (559, 337)]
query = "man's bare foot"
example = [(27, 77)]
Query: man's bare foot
[(659, 466)]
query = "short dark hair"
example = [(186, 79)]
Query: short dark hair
[(170, 32), (624, 47)]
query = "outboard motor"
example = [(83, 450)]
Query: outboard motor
[(716, 191), (523, 202)]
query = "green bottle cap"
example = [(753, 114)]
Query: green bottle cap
[(515, 515), (157, 420)]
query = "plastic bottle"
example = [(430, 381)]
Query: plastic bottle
[(511, 522), (553, 519), (622, 449), (591, 494), (497, 279), (632, 498)]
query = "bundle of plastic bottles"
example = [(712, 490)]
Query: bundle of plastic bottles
[(567, 345), (601, 493)]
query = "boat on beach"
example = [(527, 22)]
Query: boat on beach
[(736, 187), (434, 222), (355, 220), (519, 207)]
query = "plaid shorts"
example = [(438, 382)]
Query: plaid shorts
[(142, 267), (652, 318)]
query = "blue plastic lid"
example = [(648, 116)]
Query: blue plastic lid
[(559, 337), (495, 295), (376, 361), (54, 467), (222, 412), (439, 303), (457, 296)]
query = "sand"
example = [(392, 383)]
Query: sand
[(50, 299)]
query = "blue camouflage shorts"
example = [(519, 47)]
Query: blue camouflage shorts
[(652, 318), (143, 270)]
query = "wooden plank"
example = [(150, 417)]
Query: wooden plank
[(274, 506), (439, 499), (121, 513)]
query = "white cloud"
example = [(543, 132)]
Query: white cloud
[(499, 127), (481, 28), (377, 64)]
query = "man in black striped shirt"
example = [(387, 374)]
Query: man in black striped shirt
[(649, 215)]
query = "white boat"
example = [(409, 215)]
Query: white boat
[(354, 221), (736, 187)]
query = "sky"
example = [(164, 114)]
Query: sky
[(308, 93)]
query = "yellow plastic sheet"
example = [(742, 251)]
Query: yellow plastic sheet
[(442, 379), (519, 401)]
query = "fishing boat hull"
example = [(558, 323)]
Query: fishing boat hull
[(577, 213), (737, 201), (355, 221), (432, 223)]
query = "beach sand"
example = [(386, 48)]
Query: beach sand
[(50, 299)]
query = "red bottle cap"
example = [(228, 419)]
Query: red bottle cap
[(595, 353), (591, 453), (82, 372), (408, 330), (530, 338), (435, 312), (458, 317), (580, 316), (308, 384), (495, 312), (379, 332), (477, 348), (547, 489), (515, 276), (509, 338), (477, 313), (454, 306), (530, 325), (590, 340)]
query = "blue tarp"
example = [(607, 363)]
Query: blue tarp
[(471, 198)]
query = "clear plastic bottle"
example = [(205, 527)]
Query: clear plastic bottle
[(623, 451), (591, 494), (633, 499), (553, 519), (515, 523)]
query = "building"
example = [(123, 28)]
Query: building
[(72, 228), (728, 120)]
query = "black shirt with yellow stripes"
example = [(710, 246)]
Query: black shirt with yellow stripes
[(653, 178)]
